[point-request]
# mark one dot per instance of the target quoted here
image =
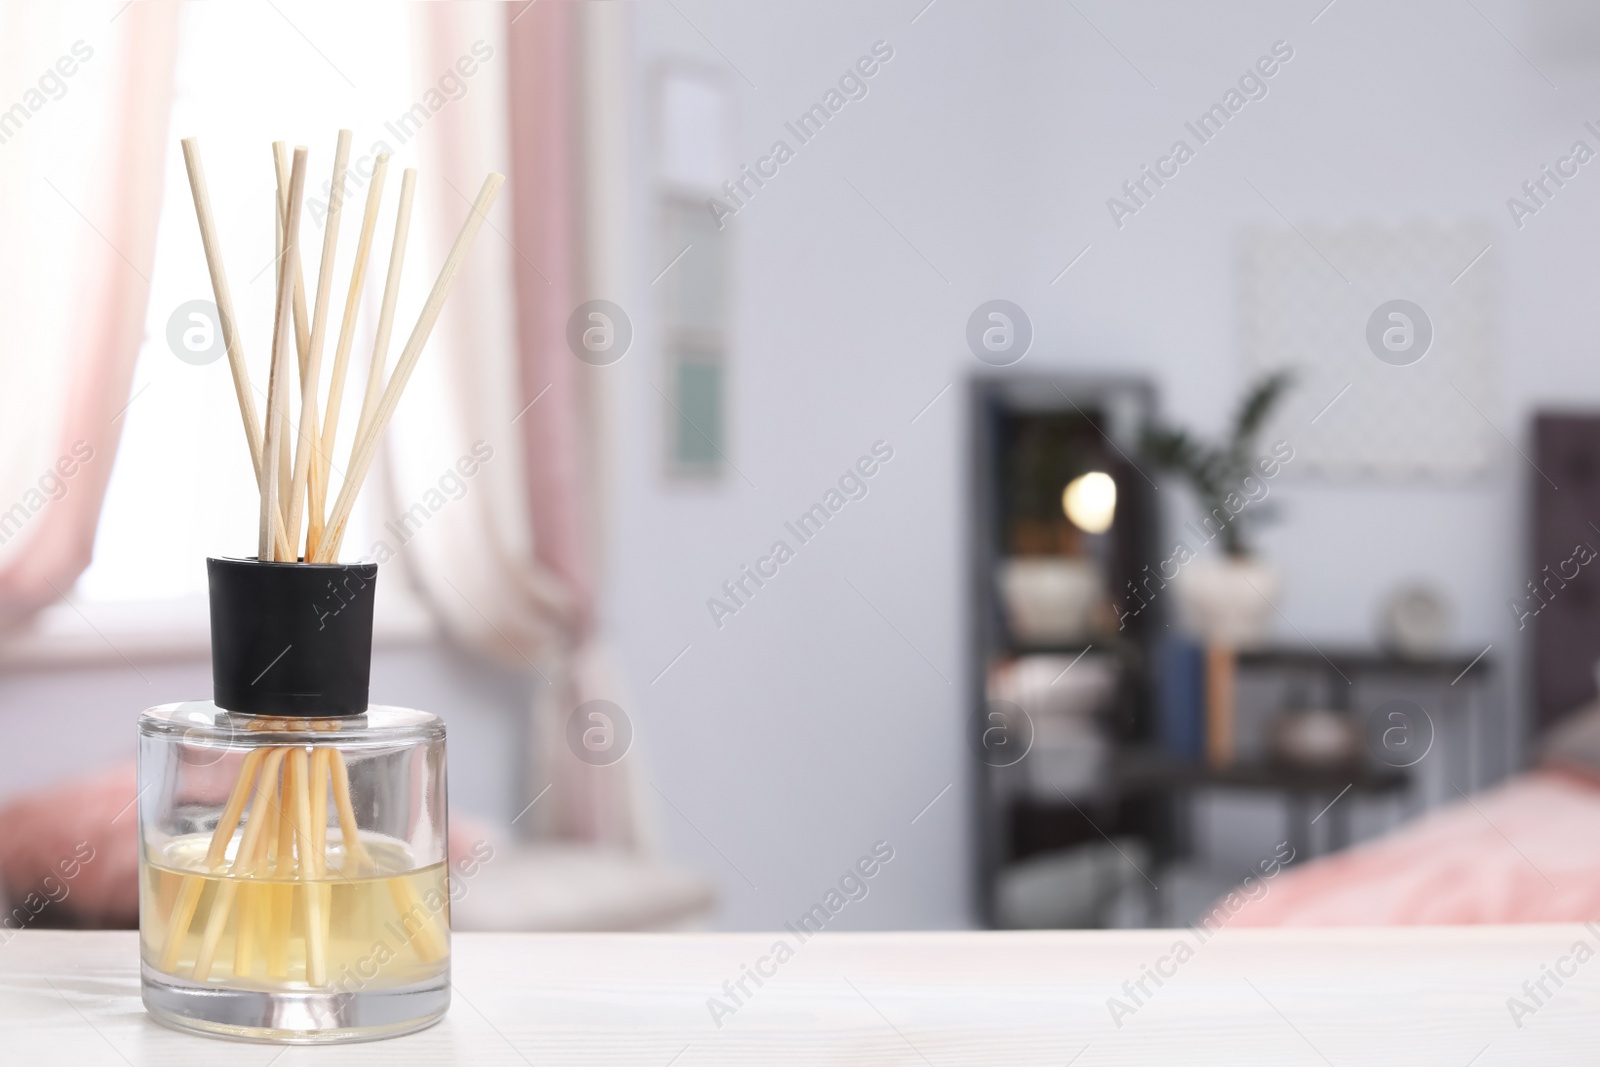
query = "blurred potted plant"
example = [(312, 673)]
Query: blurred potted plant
[(1228, 600)]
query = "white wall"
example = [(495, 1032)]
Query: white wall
[(808, 727)]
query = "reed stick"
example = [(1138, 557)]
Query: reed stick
[(243, 863), (269, 893), (320, 782), (311, 870), (355, 854), (193, 886), (229, 324), (391, 297), (266, 893), (302, 321), (284, 871), (281, 469), (284, 463), (253, 899), (250, 901), (341, 356), (366, 446), (224, 299), (302, 335), (305, 460), (277, 382), (427, 940), (321, 761)]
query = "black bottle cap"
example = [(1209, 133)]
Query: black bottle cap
[(291, 638)]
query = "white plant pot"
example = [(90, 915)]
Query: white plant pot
[(1049, 600), (1227, 601)]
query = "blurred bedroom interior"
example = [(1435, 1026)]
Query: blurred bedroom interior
[(893, 460)]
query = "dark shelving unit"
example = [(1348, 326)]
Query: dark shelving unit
[(1115, 407), (1143, 792)]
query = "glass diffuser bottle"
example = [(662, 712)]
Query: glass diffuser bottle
[(293, 882)]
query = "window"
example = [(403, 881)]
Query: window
[(182, 487)]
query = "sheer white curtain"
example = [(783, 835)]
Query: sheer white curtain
[(84, 138)]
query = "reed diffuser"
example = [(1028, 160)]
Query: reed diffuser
[(293, 880)]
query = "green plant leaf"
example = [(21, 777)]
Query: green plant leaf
[(1214, 470), (1258, 405)]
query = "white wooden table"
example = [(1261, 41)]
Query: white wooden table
[(1401, 996)]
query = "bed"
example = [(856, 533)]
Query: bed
[(1525, 851)]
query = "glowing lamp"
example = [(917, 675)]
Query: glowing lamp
[(1090, 501)]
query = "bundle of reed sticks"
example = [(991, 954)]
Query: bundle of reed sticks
[(293, 463), (284, 788)]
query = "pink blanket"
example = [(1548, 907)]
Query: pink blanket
[(1527, 851)]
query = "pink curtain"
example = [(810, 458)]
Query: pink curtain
[(90, 819), (589, 803), (510, 573), (114, 295), (547, 218)]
